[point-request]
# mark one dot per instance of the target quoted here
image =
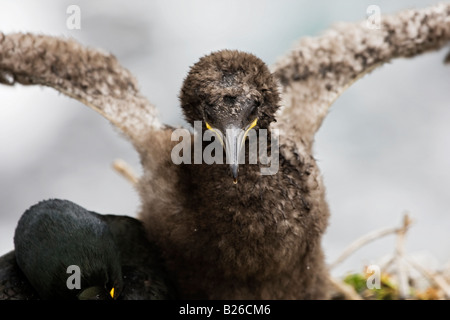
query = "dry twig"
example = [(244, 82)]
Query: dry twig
[(369, 238), (347, 291), (125, 170), (403, 287), (434, 278)]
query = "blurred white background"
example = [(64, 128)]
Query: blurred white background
[(384, 149)]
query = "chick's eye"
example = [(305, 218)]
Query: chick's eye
[(207, 118), (253, 112), (207, 114)]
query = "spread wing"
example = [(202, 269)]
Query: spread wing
[(91, 76), (318, 70)]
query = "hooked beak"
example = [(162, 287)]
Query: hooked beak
[(93, 293), (234, 139), (233, 143)]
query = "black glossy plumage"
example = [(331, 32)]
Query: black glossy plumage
[(108, 248), (13, 283), (143, 271)]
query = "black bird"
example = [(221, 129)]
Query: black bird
[(13, 283), (113, 256)]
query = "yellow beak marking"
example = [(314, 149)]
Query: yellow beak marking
[(251, 126), (212, 129)]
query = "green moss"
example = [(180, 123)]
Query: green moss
[(387, 290)]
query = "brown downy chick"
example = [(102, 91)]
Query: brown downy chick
[(258, 238)]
